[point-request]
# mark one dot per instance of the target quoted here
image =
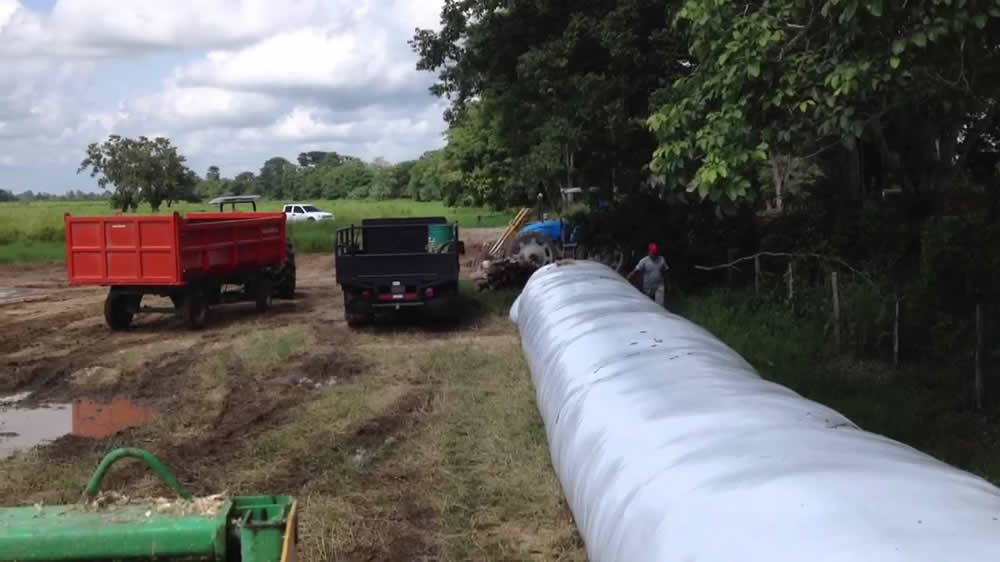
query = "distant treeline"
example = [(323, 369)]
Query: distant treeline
[(329, 175), (71, 195)]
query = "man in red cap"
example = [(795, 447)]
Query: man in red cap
[(653, 269)]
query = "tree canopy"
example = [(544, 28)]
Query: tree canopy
[(140, 170), (561, 90)]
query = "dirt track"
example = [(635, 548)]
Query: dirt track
[(388, 435)]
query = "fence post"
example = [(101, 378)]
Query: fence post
[(895, 337), (979, 357), (731, 257), (836, 310), (791, 282), (756, 274)]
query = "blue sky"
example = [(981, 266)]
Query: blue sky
[(231, 82)]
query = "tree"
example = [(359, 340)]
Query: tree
[(7, 195), (245, 183), (401, 179), (141, 170), (213, 174), (318, 157), (566, 88), (911, 86), (277, 177)]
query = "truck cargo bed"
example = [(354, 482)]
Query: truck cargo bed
[(168, 250)]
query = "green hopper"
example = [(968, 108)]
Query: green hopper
[(242, 528)]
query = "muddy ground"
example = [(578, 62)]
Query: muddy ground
[(403, 441)]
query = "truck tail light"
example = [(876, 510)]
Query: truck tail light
[(429, 293)]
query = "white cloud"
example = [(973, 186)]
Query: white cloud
[(311, 60), (110, 27), (239, 81), (204, 107)]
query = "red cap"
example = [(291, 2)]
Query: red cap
[(653, 249)]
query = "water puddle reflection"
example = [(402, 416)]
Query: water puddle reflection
[(23, 427)]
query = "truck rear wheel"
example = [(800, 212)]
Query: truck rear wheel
[(195, 310), (264, 292), (286, 285), (119, 309), (356, 311)]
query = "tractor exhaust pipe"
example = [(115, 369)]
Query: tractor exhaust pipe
[(670, 447)]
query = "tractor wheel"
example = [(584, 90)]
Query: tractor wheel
[(356, 313), (286, 286), (534, 248), (264, 292), (195, 310), (119, 309)]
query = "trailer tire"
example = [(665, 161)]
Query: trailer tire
[(195, 310), (264, 292), (286, 287), (119, 309), (352, 313)]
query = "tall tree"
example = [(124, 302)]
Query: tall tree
[(911, 85), (141, 170), (276, 177), (213, 174), (568, 85), (245, 183)]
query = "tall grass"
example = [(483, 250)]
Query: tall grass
[(33, 231), (922, 406)]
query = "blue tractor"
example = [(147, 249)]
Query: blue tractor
[(543, 242)]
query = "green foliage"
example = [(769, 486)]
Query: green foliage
[(786, 78), (140, 170), (916, 406), (562, 92)]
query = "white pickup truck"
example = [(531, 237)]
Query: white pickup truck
[(305, 212)]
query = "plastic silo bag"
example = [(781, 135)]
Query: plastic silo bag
[(669, 446)]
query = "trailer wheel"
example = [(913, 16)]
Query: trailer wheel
[(286, 287), (264, 291), (356, 313), (119, 309), (195, 310)]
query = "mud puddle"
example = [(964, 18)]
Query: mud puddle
[(23, 427)]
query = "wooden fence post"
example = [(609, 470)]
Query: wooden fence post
[(731, 255), (791, 282), (756, 274), (979, 357), (836, 310), (895, 337)]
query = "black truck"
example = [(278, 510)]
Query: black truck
[(391, 263)]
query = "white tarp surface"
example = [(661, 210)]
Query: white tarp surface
[(669, 446)]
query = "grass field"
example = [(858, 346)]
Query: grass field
[(33, 231)]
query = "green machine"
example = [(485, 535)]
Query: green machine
[(238, 529)]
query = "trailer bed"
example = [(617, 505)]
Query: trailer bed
[(170, 250)]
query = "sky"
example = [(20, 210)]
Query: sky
[(230, 82)]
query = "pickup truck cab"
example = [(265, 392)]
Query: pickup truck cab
[(305, 212)]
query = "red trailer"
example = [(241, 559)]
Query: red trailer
[(188, 259)]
